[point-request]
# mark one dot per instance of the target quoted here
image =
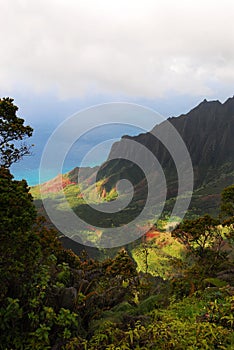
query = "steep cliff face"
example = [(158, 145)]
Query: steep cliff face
[(208, 132)]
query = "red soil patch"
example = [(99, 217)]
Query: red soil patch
[(56, 185), (152, 234)]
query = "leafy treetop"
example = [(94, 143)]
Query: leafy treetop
[(227, 204), (12, 131), (198, 234)]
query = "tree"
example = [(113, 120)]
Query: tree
[(28, 271), (227, 204), (199, 235), (18, 245), (227, 212), (12, 133), (28, 263)]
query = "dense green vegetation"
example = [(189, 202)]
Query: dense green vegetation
[(177, 292), (12, 133)]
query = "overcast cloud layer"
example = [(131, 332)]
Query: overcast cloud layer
[(134, 48)]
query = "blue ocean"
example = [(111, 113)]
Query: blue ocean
[(96, 144)]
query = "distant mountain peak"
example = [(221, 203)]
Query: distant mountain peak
[(229, 101), (206, 105)]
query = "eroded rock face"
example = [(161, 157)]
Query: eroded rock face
[(207, 131)]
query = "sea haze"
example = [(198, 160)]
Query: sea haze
[(96, 144)]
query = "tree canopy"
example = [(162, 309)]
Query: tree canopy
[(227, 204), (198, 234), (12, 134)]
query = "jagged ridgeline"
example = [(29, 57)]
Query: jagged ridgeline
[(207, 131)]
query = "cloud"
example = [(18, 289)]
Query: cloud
[(133, 48)]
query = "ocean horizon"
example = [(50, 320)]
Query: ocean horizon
[(91, 149)]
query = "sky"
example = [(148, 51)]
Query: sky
[(59, 56)]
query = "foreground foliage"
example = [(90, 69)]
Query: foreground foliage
[(52, 299)]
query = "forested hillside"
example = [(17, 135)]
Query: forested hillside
[(51, 298)]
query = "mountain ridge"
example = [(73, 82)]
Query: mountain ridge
[(207, 130)]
